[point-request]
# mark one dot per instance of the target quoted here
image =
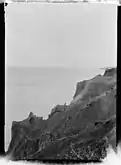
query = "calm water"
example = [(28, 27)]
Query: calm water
[(39, 90)]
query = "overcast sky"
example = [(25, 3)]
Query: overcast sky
[(65, 35)]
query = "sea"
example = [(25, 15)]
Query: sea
[(38, 90)]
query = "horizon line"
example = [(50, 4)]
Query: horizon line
[(62, 67)]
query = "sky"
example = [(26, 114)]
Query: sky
[(61, 35)]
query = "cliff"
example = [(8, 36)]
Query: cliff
[(81, 130)]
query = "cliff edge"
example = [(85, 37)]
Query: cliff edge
[(80, 130)]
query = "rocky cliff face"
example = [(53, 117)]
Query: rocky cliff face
[(81, 130)]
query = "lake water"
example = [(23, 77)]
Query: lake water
[(39, 90)]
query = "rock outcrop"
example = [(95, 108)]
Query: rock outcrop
[(110, 72), (81, 130), (57, 109)]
